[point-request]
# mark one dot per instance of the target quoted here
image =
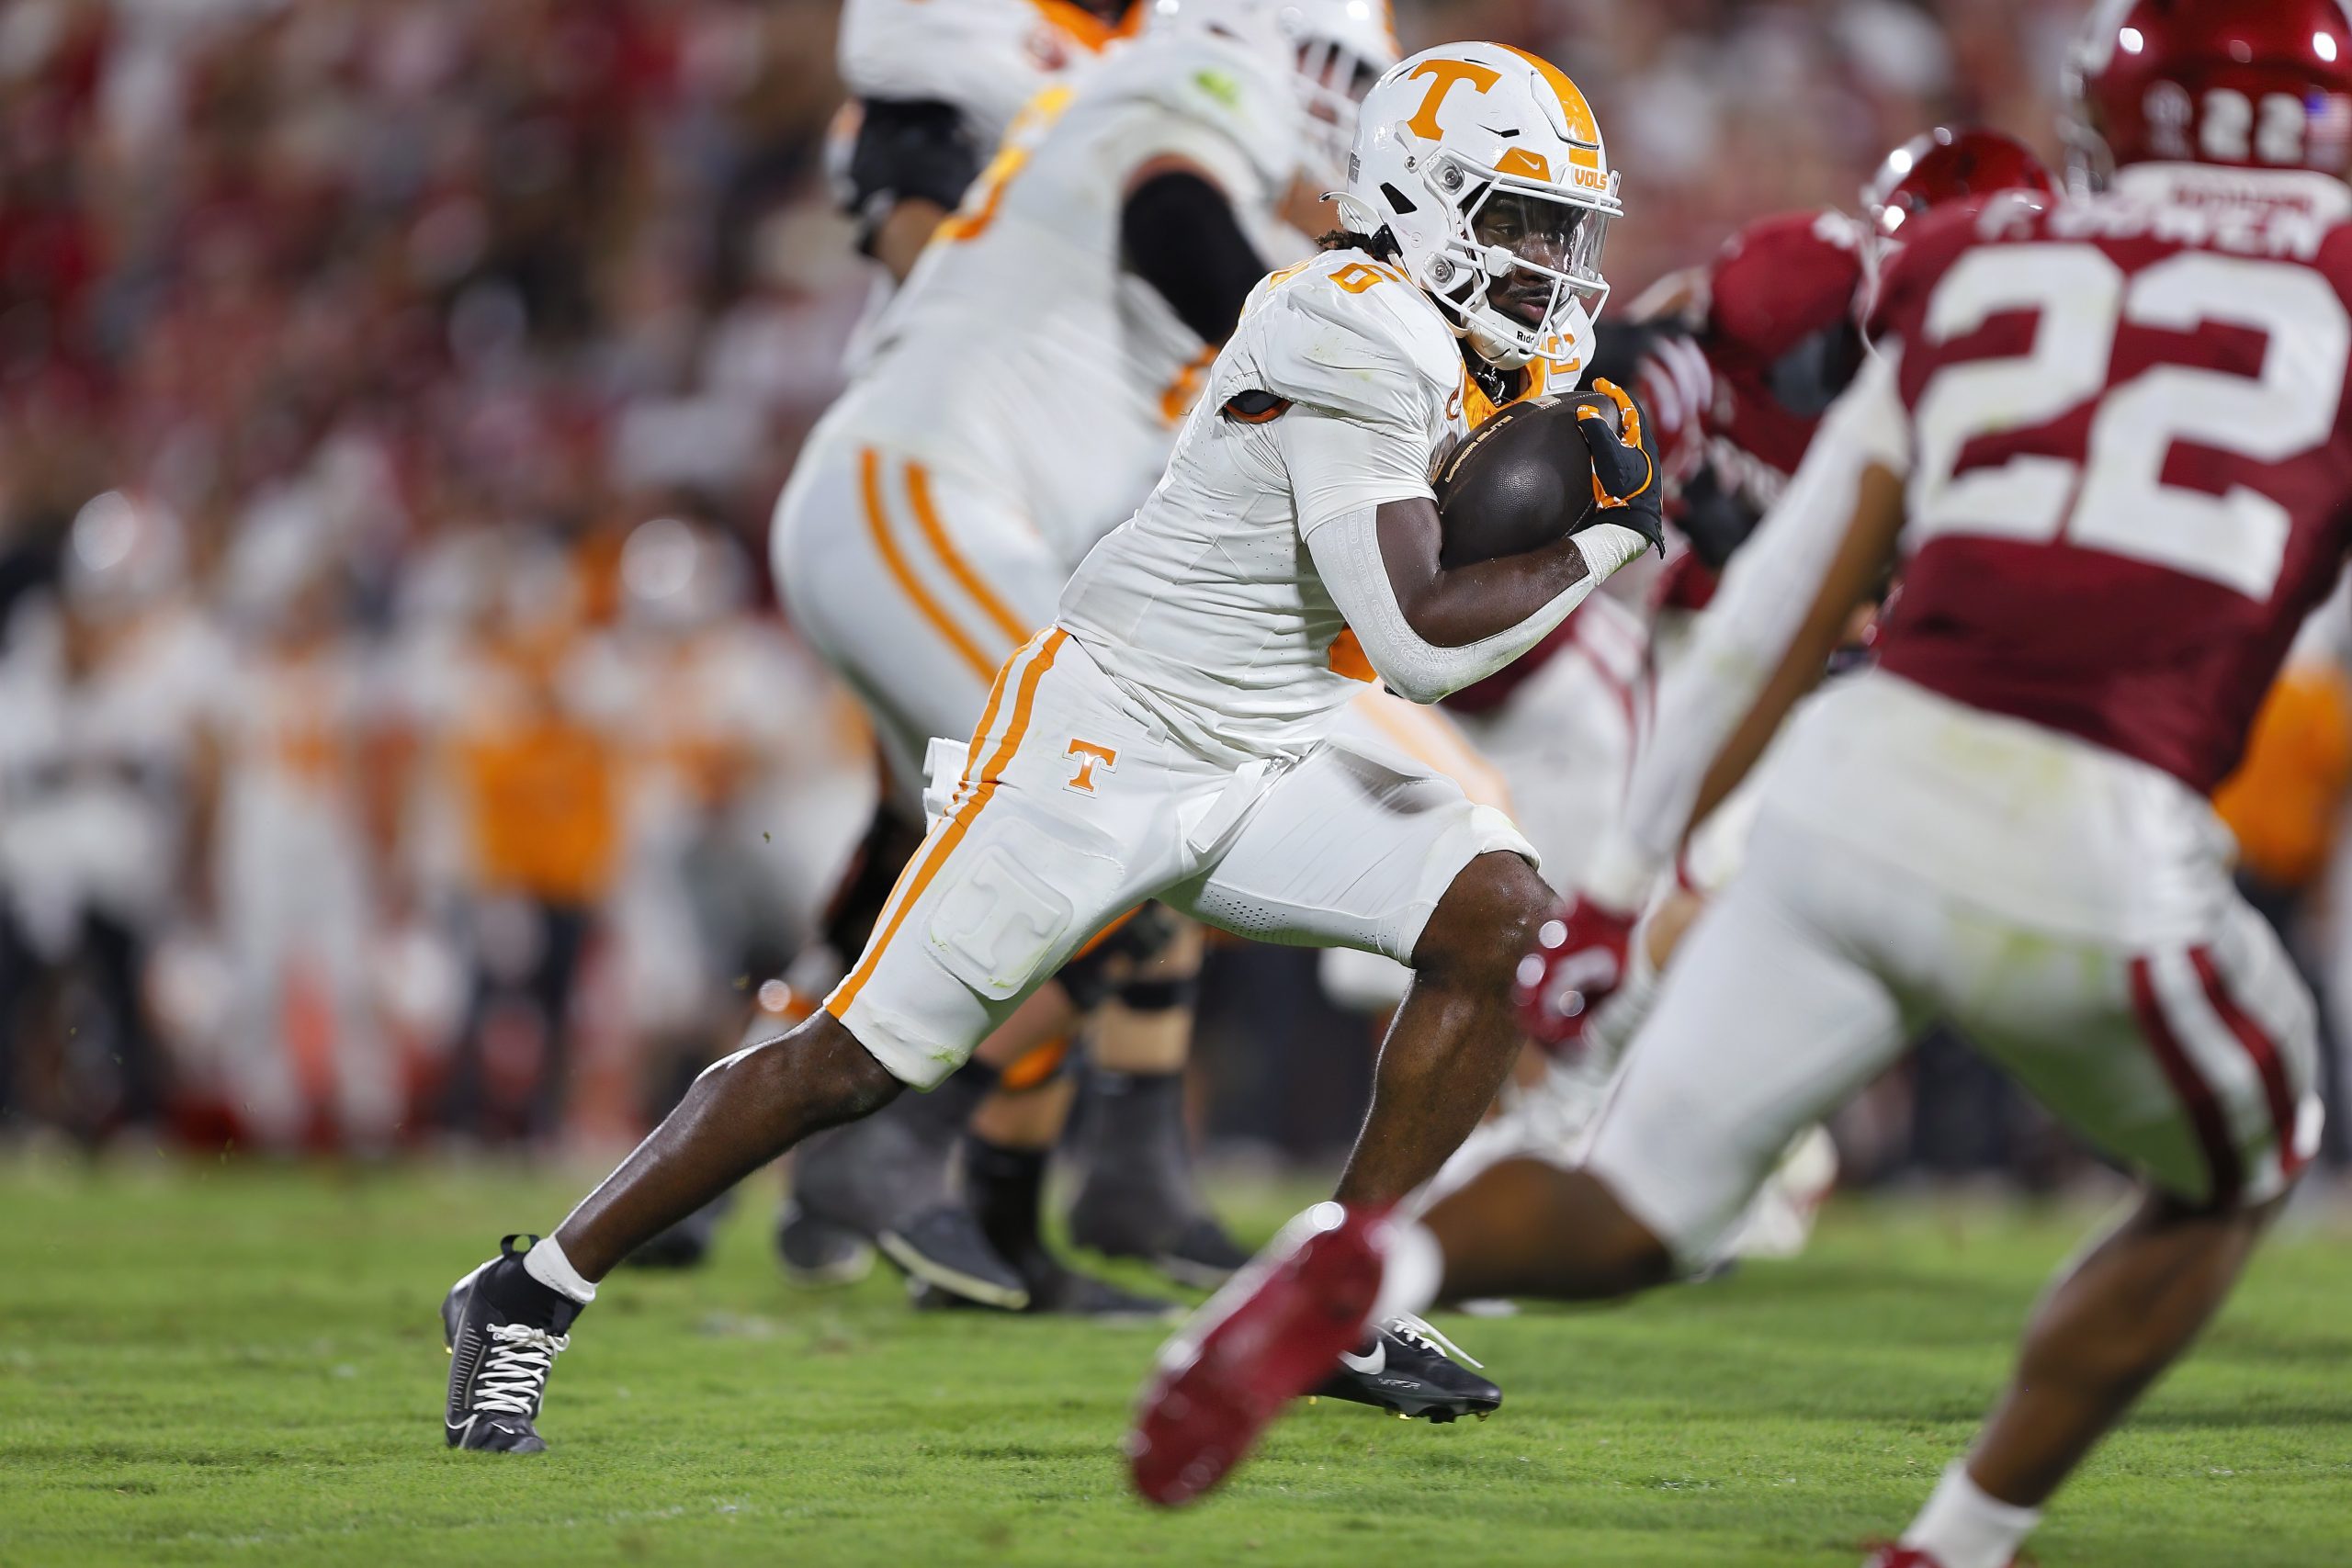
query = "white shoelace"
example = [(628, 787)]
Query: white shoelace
[(1414, 1329), (514, 1371)]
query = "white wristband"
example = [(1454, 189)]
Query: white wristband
[(1607, 547)]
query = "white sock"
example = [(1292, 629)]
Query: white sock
[(546, 1263), (1961, 1527), (1412, 1270)]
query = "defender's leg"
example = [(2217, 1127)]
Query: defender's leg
[(2195, 1063), (1767, 1023), (2116, 1318)]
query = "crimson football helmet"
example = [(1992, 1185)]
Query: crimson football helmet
[(2251, 86), (1946, 165)]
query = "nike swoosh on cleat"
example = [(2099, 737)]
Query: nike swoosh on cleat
[(1369, 1366)]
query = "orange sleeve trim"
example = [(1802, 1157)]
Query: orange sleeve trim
[(1082, 26), (958, 568), (974, 797), (869, 475), (1263, 413)]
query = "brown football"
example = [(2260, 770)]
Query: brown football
[(1519, 481)]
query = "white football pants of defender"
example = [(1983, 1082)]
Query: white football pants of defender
[(1072, 806), (915, 583), (2070, 911), (1581, 724)]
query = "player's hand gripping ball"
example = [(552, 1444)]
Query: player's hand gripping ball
[(1577, 961), (1544, 467)]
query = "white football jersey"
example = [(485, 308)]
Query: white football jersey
[(987, 58), (1205, 605), (1022, 358)]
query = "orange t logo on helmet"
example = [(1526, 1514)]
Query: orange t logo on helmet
[(1447, 74)]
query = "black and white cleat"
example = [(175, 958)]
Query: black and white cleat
[(503, 1330), (1407, 1368)]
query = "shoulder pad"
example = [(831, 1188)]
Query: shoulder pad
[(1353, 336), (1782, 279), (984, 57), (1223, 88), (1926, 256)]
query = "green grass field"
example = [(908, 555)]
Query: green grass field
[(221, 1364)]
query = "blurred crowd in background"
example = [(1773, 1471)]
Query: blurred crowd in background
[(399, 738)]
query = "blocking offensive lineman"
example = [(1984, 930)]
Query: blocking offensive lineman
[(1166, 737), (935, 84), (2109, 437)]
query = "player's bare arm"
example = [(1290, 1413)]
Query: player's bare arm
[(1464, 604), (1852, 579)]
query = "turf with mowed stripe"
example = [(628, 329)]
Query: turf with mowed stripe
[(221, 1364)]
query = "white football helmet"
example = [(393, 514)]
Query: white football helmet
[(1342, 48), (1485, 163)]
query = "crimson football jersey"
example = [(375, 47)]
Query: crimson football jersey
[(1736, 378), (2132, 472), (1783, 339)]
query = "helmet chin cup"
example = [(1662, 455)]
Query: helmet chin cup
[(1500, 353)]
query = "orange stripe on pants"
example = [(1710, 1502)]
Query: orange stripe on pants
[(927, 518), (975, 796), (869, 476)]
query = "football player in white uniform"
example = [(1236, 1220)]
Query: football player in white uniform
[(1167, 736), (929, 527), (934, 85)]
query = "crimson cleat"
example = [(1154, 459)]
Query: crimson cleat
[(1273, 1333), (1906, 1557)]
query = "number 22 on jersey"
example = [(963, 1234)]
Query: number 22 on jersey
[(2116, 498)]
